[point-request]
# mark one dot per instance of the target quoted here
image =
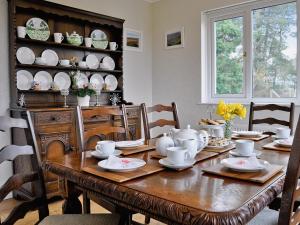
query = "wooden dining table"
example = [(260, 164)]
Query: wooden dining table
[(186, 197)]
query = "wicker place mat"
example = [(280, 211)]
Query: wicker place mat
[(199, 157), (258, 177), (220, 150), (259, 138), (149, 168), (133, 150), (274, 146)]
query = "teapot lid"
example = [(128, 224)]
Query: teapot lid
[(187, 133)]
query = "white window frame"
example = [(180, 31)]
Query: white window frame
[(208, 74)]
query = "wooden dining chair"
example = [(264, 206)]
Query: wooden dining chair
[(290, 194), (161, 122), (39, 202), (100, 132), (270, 120)]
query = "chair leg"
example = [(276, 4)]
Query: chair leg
[(86, 203), (147, 219)]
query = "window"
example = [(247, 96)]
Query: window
[(251, 52)]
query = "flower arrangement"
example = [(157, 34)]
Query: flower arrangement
[(80, 90), (228, 112)]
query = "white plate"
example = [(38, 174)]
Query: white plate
[(37, 29), (92, 61), (287, 143), (165, 162), (219, 146), (248, 133), (24, 80), (44, 79), (111, 82), (97, 80), (25, 55), (62, 80), (81, 80), (109, 62), (241, 164), (129, 144), (237, 154), (99, 155), (51, 57), (211, 126), (99, 39), (274, 137), (126, 164)]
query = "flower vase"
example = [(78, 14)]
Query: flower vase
[(228, 129), (83, 101)]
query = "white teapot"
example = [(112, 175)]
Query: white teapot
[(188, 133), (163, 143)]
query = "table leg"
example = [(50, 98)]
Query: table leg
[(72, 205)]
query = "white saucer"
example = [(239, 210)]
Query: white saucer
[(65, 65), (100, 155), (165, 162), (277, 138), (255, 153)]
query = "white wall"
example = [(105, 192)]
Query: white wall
[(137, 65), (177, 72)]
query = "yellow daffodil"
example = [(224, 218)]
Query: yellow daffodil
[(231, 110)]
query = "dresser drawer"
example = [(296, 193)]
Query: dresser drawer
[(42, 118)]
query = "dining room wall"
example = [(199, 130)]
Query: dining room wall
[(177, 72), (137, 65)]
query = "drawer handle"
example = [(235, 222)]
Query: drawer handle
[(53, 118)]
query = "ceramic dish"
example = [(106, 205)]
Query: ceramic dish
[(99, 39), (25, 55), (108, 63), (44, 80), (99, 155), (129, 144), (287, 143), (37, 29), (165, 162), (81, 80), (248, 133), (92, 61), (256, 153), (24, 80), (111, 82), (97, 81), (50, 57), (251, 164), (62, 80), (123, 164), (218, 143), (275, 137)]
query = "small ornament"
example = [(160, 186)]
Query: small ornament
[(21, 100), (115, 99), (65, 93)]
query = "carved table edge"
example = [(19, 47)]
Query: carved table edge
[(162, 209)]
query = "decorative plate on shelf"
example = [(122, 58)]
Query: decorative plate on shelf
[(97, 80), (99, 39), (44, 80), (81, 80), (25, 55), (92, 61), (37, 29), (62, 80), (24, 80), (108, 63), (50, 57), (111, 82)]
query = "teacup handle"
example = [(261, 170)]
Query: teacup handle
[(188, 156)]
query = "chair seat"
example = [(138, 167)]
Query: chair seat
[(80, 219), (265, 217)]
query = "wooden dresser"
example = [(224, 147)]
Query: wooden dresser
[(56, 134)]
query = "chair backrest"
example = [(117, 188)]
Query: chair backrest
[(11, 152), (161, 122), (291, 189), (103, 130), (270, 120)]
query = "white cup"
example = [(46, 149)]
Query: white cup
[(283, 132), (190, 144), (244, 147), (113, 46), (21, 31), (82, 64), (177, 155), (106, 147), (58, 37), (64, 62), (40, 61), (218, 132), (88, 42)]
